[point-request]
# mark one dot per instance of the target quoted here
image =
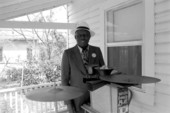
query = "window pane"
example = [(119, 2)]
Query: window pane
[(126, 59), (29, 54), (125, 24)]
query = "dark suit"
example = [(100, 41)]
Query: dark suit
[(73, 70)]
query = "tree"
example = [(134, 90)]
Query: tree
[(50, 44)]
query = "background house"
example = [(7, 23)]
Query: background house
[(15, 51)]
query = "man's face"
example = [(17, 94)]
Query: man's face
[(82, 37)]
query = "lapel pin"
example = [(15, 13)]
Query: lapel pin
[(93, 55)]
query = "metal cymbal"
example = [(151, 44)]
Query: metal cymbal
[(53, 94), (129, 79)]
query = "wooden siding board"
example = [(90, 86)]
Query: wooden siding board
[(80, 5), (162, 48), (160, 1), (163, 99), (162, 26), (91, 19), (162, 37), (155, 109), (162, 59), (136, 107), (163, 88), (143, 97), (162, 7), (164, 18), (164, 78), (161, 109), (85, 12), (162, 68)]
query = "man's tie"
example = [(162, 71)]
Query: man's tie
[(85, 56)]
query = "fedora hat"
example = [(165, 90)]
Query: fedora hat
[(82, 26)]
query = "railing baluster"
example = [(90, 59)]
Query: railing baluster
[(21, 101), (56, 107), (36, 107), (39, 104), (5, 96), (16, 102), (41, 107), (45, 107), (29, 104), (10, 99)]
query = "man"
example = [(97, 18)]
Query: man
[(74, 63)]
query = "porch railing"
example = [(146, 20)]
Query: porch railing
[(13, 101)]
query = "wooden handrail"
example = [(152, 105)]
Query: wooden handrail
[(27, 87)]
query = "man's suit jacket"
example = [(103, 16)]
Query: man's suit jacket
[(73, 69)]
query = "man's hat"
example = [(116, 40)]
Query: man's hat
[(82, 26)]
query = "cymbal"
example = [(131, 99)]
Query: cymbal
[(53, 94), (129, 79)]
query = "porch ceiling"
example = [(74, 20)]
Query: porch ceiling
[(14, 8), (10, 9)]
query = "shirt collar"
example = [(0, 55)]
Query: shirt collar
[(80, 49)]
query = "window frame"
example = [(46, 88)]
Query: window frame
[(146, 93)]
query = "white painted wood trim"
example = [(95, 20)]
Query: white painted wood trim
[(36, 25), (148, 50), (120, 4), (10, 2), (130, 43)]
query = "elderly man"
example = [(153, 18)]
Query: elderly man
[(74, 63)]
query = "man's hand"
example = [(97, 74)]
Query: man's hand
[(104, 67)]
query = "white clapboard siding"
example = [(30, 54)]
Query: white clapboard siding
[(162, 18), (79, 5), (136, 107), (162, 26), (163, 88), (162, 68), (162, 55), (88, 11), (162, 48), (164, 78), (162, 6), (162, 59), (163, 99), (162, 38)]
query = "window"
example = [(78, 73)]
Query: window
[(124, 32), (126, 59), (29, 54), (120, 32)]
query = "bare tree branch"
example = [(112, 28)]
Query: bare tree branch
[(36, 32), (6, 63), (21, 33)]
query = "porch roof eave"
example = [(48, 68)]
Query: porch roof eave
[(36, 25)]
